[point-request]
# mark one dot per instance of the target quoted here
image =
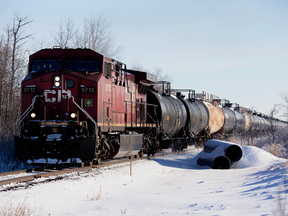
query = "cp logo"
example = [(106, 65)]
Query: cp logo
[(53, 95)]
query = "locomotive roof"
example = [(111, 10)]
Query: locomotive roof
[(141, 76), (66, 53)]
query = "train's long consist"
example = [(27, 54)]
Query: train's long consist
[(79, 106)]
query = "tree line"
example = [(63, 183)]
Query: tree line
[(12, 67)]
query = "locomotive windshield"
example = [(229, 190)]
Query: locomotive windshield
[(46, 65), (84, 65)]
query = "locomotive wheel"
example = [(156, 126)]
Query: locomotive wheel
[(97, 161), (86, 163), (151, 152)]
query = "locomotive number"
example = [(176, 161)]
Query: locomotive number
[(29, 89), (87, 90)]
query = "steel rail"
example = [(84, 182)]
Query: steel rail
[(58, 173)]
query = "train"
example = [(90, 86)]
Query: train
[(79, 106)]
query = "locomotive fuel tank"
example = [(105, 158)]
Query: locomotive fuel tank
[(170, 114), (198, 116), (229, 119)]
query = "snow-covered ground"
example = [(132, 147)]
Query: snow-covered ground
[(171, 185)]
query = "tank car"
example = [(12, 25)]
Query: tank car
[(240, 120), (197, 117), (204, 118), (171, 116), (230, 118)]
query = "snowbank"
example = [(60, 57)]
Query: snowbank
[(253, 156)]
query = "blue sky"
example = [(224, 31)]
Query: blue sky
[(237, 50)]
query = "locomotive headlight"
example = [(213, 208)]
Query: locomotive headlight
[(57, 84), (57, 78), (57, 81), (33, 115), (73, 115)]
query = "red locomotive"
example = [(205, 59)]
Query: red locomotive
[(78, 104)]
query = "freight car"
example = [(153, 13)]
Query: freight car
[(79, 106)]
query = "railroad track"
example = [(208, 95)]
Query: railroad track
[(31, 175)]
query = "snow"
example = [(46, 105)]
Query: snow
[(253, 156), (170, 185), (52, 161)]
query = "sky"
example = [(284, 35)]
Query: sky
[(237, 50)]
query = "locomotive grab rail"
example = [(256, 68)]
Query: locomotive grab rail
[(140, 103), (18, 121), (154, 105), (87, 114)]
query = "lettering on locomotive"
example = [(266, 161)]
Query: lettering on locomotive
[(50, 95)]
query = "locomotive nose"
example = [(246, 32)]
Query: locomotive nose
[(57, 97)]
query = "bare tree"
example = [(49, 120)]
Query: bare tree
[(284, 96), (161, 76), (138, 67), (38, 44), (2, 68), (18, 40), (12, 66), (94, 35), (157, 72), (273, 113), (64, 36), (5, 70)]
